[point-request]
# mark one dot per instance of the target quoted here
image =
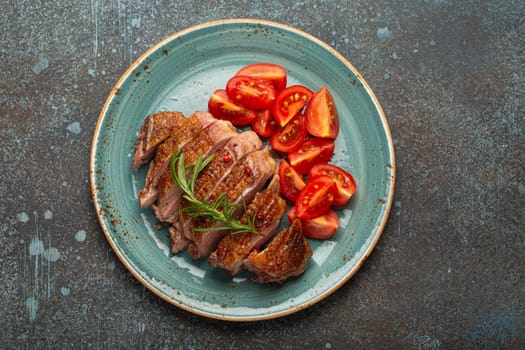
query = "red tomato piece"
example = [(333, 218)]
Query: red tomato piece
[(221, 107), (291, 136), (289, 102), (321, 115), (264, 124), (312, 151), (270, 72), (316, 197), (346, 186), (321, 227), (250, 92), (290, 181)]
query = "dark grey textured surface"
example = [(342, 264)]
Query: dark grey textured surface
[(449, 270)]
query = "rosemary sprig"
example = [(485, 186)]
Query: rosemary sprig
[(222, 211)]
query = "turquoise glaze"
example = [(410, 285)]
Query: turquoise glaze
[(180, 73)]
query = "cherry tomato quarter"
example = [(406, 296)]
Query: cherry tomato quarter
[(290, 181), (250, 92), (264, 124), (270, 72), (321, 115), (291, 136), (289, 102), (346, 186), (321, 227), (316, 197), (311, 152), (221, 107)]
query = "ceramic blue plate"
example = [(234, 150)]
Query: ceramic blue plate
[(180, 73)]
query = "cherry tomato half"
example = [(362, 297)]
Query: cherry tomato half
[(270, 72), (316, 197), (290, 181), (321, 227), (264, 124), (291, 136), (312, 151), (221, 107), (345, 181), (321, 115), (250, 92), (289, 102)]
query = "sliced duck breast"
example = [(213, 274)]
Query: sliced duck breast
[(225, 158), (286, 256), (155, 129), (246, 178), (206, 142), (266, 209), (180, 136)]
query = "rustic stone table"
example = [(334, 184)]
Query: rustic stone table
[(448, 271)]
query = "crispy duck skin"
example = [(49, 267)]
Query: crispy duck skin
[(286, 256), (181, 135), (246, 178), (206, 142), (237, 147), (155, 129), (267, 208)]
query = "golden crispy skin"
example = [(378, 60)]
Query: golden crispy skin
[(155, 129), (206, 141), (225, 157), (177, 139), (180, 135), (286, 256), (246, 178), (267, 209)]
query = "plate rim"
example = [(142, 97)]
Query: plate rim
[(115, 91)]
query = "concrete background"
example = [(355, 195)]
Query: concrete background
[(449, 270)]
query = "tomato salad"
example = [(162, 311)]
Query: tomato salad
[(301, 125)]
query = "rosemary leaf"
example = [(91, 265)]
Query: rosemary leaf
[(222, 211)]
